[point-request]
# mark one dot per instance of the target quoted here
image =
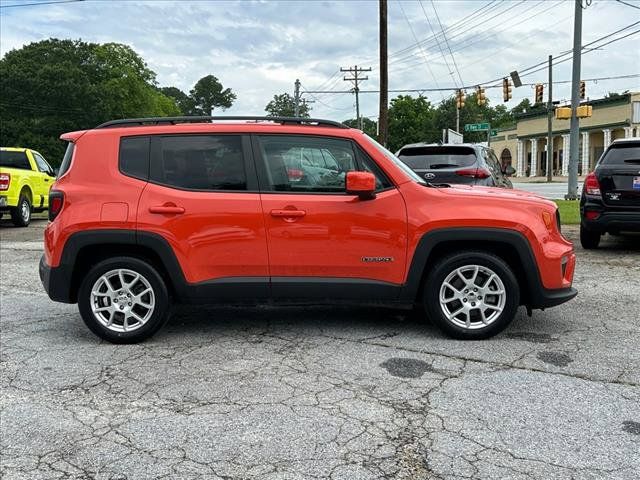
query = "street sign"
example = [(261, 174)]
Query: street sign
[(453, 136), (494, 133), (476, 127)]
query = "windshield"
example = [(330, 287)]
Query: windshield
[(426, 158), (410, 173)]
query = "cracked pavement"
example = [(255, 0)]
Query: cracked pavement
[(340, 393)]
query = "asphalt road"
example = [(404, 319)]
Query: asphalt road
[(341, 393), (552, 191)]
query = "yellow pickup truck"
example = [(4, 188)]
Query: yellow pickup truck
[(25, 180)]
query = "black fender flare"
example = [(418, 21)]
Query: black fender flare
[(536, 295)]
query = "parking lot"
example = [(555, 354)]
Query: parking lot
[(342, 393)]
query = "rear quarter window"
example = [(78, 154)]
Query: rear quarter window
[(433, 158), (622, 154), (134, 157), (11, 159)]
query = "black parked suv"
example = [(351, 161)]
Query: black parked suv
[(610, 201), (456, 163)]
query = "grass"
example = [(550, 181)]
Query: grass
[(569, 211)]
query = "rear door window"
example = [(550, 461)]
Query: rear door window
[(199, 162), (622, 154), (11, 159), (437, 157)]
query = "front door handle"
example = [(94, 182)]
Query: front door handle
[(171, 209), (288, 213)]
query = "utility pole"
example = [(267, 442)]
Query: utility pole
[(572, 190), (550, 123), (383, 117), (356, 79), (296, 98)]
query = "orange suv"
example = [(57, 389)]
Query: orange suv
[(148, 212)]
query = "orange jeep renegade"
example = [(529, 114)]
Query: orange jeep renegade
[(148, 212)]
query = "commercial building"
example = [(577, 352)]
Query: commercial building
[(524, 146)]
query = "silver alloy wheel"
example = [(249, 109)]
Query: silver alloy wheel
[(25, 210), (472, 297), (122, 300)]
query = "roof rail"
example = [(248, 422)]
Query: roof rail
[(133, 122)]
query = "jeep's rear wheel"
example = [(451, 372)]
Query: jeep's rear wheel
[(471, 295), (21, 214), (589, 239), (123, 300)]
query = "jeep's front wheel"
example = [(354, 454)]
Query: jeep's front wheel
[(471, 295), (123, 300)]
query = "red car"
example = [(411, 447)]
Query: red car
[(148, 212)]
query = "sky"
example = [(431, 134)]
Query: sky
[(259, 48)]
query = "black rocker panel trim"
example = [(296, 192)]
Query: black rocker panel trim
[(332, 289)]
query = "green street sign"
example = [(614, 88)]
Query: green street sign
[(476, 127), (494, 133)]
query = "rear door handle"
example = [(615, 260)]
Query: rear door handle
[(288, 213), (171, 209)]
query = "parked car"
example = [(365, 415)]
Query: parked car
[(610, 201), (147, 212), (467, 163), (25, 180)]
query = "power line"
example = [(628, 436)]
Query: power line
[(51, 2), (444, 57), (426, 61), (446, 42), (628, 4), (451, 89), (461, 30)]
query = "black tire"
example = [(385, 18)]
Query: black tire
[(21, 214), (589, 239), (497, 320), (153, 323)]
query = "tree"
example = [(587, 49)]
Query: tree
[(208, 94), (284, 105), (411, 120), (182, 100), (368, 126), (55, 86)]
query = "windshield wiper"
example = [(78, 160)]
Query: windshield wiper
[(437, 185), (632, 160)]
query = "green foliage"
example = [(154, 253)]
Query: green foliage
[(368, 126), (284, 105), (411, 120), (181, 99), (208, 94), (54, 86)]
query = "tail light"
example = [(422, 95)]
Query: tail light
[(56, 202), (295, 174), (5, 180), (591, 214), (473, 173), (591, 184)]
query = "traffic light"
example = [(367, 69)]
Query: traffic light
[(539, 93), (480, 95), (563, 113), (584, 111), (506, 90), (583, 90), (459, 99)]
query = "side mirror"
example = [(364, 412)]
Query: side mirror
[(362, 184), (509, 171)]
